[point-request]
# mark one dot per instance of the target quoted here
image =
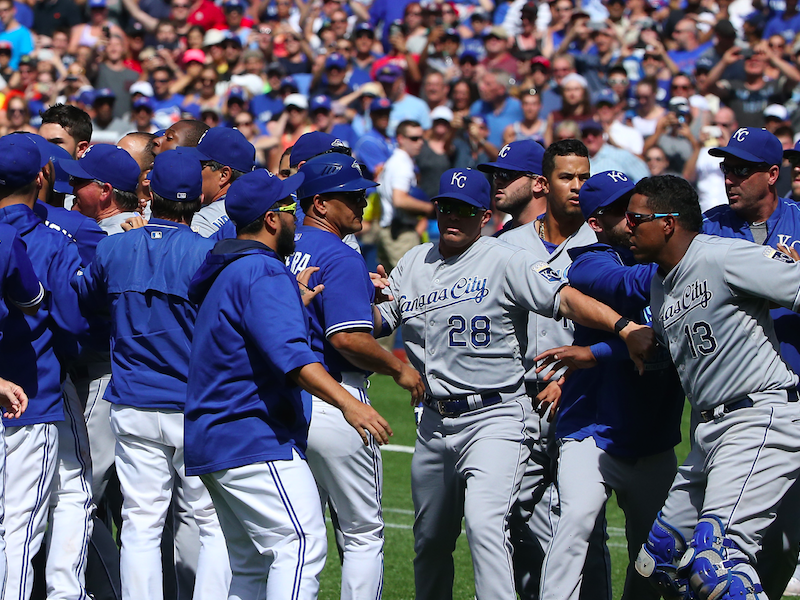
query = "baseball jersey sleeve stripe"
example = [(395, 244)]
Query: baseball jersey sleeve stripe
[(358, 325)]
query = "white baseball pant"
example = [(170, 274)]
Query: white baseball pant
[(149, 457), (276, 535), (91, 387), (31, 456), (71, 506), (586, 477), (349, 475)]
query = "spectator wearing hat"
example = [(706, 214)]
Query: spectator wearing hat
[(445, 43), (188, 79), (206, 14), (405, 107), (104, 181), (531, 126), (749, 97), (323, 119), (227, 155), (375, 147), (106, 128), (497, 54), (495, 106), (14, 33), (775, 117), (93, 33), (605, 157), (295, 123), (576, 104), (332, 80), (235, 20), (113, 74), (609, 114)]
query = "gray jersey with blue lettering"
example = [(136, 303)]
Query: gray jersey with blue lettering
[(544, 333), (463, 317), (208, 220), (712, 311)]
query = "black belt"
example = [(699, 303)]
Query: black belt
[(746, 402), (455, 406), (534, 388)]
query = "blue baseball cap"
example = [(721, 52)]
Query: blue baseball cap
[(335, 60), (389, 73), (177, 175), (524, 155), (604, 189), (97, 3), (290, 83), (380, 104), (87, 97), (106, 163), (320, 103), (363, 27), (332, 173), (235, 5), (313, 144), (51, 152), (20, 161), (465, 185), (255, 193), (228, 147), (793, 153), (143, 102), (606, 96), (104, 94), (752, 145)]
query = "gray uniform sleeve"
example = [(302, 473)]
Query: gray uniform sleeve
[(533, 284), (764, 272), (390, 309)]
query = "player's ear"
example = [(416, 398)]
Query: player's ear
[(319, 205), (594, 224), (669, 224), (774, 172), (487, 215)]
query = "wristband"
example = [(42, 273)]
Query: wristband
[(620, 325)]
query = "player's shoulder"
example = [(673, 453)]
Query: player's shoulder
[(519, 235), (717, 216)]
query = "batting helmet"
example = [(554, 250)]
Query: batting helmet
[(330, 173)]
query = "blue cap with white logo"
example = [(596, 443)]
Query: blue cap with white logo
[(177, 175), (254, 193), (752, 145), (20, 161), (320, 103), (228, 147), (602, 190), (108, 164), (313, 144), (524, 155), (465, 185), (335, 61)]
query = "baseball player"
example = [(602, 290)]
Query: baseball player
[(227, 155), (757, 214), (523, 170), (710, 300), (464, 306), (187, 132), (604, 429), (29, 349), (144, 277), (348, 473), (246, 422)]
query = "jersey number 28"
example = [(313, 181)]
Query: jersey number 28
[(480, 333)]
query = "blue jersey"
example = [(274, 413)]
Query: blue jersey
[(346, 302), (144, 277), (783, 227), (19, 284), (611, 402), (28, 347), (251, 332), (79, 228)]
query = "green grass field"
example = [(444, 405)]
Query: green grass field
[(398, 510)]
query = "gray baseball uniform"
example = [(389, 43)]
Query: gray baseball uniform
[(533, 516), (464, 320), (712, 312)]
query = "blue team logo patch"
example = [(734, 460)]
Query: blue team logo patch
[(546, 271), (778, 255)]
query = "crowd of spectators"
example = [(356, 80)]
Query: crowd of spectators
[(648, 85)]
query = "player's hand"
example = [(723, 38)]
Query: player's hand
[(12, 399), (789, 251), (640, 341), (549, 399), (307, 294), (365, 419), (381, 282), (409, 379), (571, 357), (136, 222)]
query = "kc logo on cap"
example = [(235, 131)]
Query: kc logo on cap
[(504, 151), (459, 179), (740, 134), (617, 176)]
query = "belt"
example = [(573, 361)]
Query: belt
[(746, 402), (455, 406), (534, 388)]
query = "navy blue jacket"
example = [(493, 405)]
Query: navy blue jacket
[(143, 276), (627, 414), (252, 331)]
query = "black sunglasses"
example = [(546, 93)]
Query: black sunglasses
[(741, 170), (461, 209)]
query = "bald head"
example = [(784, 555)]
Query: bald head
[(141, 147)]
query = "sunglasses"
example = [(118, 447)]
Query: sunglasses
[(460, 209), (161, 80), (741, 170), (414, 138), (635, 219), (243, 123), (507, 176), (286, 208), (618, 81)]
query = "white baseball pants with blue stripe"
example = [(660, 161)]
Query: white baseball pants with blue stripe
[(349, 476), (269, 512)]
